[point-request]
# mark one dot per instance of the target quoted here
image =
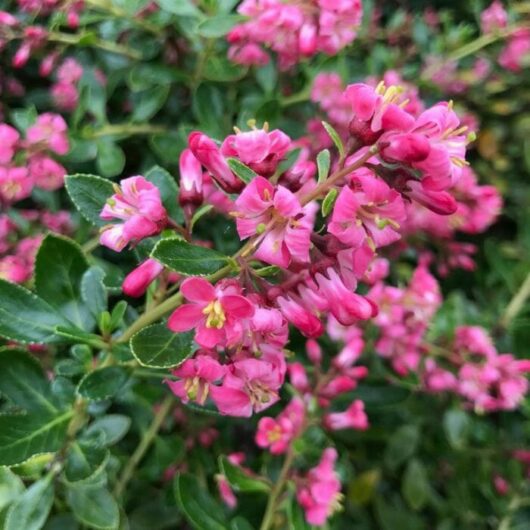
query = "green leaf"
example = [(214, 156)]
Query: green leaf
[(239, 523), (26, 318), (157, 346), (11, 487), (456, 426), (198, 507), (334, 135), (402, 446), (169, 191), (323, 163), (84, 461), (415, 485), (241, 480), (113, 426), (187, 259), (221, 69), (215, 27), (94, 507), (89, 194), (22, 380), (200, 213), (79, 336), (329, 201), (23, 118), (23, 436), (241, 170), (31, 509), (148, 102), (111, 158), (93, 291), (102, 383), (59, 268)]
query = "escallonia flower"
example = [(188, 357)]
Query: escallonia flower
[(217, 313), (138, 204), (276, 214)]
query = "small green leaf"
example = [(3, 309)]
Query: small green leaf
[(184, 8), (240, 480), (113, 426), (415, 485), (59, 268), (215, 27), (89, 194), (117, 314), (79, 336), (239, 523), (323, 162), (199, 508), (200, 213), (26, 318), (157, 346), (102, 383), (222, 70), (24, 118), (329, 201), (31, 509), (187, 259), (241, 170), (94, 507), (111, 158), (23, 436), (84, 460), (169, 191), (334, 135)]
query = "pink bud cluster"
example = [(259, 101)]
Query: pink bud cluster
[(294, 29), (27, 162), (72, 8), (64, 92)]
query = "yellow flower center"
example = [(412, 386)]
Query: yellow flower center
[(215, 316)]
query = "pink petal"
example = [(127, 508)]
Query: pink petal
[(197, 289), (209, 337), (185, 317), (237, 306)]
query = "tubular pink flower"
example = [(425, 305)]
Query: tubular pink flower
[(353, 417), (190, 179), (305, 321), (9, 138), (138, 280)]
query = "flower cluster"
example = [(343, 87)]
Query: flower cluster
[(27, 162), (293, 29), (64, 92)]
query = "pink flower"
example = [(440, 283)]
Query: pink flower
[(493, 18), (501, 485), (517, 49), (368, 214), (49, 132), (196, 378), (259, 149), (209, 155), (353, 417), (352, 306), (70, 71), (15, 183), (303, 319), (65, 96), (277, 214), (277, 434), (215, 312), (139, 279), (190, 179), (319, 494), (15, 269), (249, 385), (225, 491), (137, 202), (8, 141), (46, 172)]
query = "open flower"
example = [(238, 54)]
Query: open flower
[(214, 312), (277, 214)]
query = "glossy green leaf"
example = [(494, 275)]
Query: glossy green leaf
[(402, 446), (84, 460), (456, 425), (157, 346), (217, 26), (329, 201), (23, 381), (93, 291), (102, 383), (25, 317), (25, 435), (334, 135), (415, 485), (241, 480), (241, 170), (89, 194), (113, 426), (111, 158), (187, 259), (198, 507), (185, 8), (94, 507), (11, 487), (59, 268)]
